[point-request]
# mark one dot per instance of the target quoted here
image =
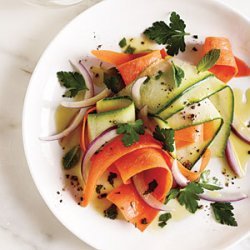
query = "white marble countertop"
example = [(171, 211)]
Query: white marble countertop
[(25, 31)]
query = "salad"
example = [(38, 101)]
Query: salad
[(146, 124)]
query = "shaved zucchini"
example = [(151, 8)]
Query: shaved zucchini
[(160, 90), (111, 111), (224, 103)]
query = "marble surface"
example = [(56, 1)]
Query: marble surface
[(25, 31)]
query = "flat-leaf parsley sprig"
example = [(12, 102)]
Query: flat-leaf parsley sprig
[(131, 132), (171, 35)]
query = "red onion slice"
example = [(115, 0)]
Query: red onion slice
[(78, 118), (233, 159), (140, 187), (180, 179), (242, 131), (223, 196), (87, 102), (96, 144), (73, 125), (135, 91)]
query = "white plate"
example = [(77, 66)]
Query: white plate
[(106, 23)]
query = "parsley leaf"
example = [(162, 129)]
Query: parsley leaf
[(188, 196), (111, 212), (113, 80), (208, 60), (123, 42), (163, 219), (129, 50), (111, 178), (73, 81), (171, 35), (151, 187), (178, 74), (173, 193), (131, 132), (72, 157), (223, 213), (166, 136)]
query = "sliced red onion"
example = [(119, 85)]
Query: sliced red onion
[(135, 91), (223, 196), (242, 131), (78, 118), (96, 144), (87, 102), (180, 179), (140, 187), (86, 75), (73, 125), (233, 159)]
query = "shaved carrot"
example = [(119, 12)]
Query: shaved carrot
[(84, 137), (243, 68), (126, 198), (132, 69), (133, 208), (115, 58), (209, 129), (110, 153), (164, 179), (187, 136), (138, 161), (226, 67)]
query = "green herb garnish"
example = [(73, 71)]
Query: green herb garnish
[(188, 196), (151, 187), (131, 132), (163, 218), (111, 178), (72, 157), (166, 136), (208, 60), (173, 193), (72, 81), (178, 74), (123, 42), (111, 212), (171, 35), (129, 50), (223, 213), (113, 80), (98, 189)]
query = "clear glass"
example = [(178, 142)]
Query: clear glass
[(53, 2)]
